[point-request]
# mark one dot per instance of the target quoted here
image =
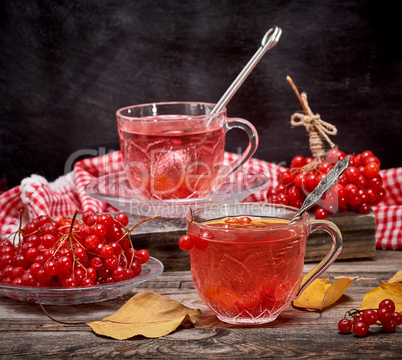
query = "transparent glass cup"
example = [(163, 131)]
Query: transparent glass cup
[(175, 150), (249, 275)]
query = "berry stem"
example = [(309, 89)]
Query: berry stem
[(142, 221), (128, 233), (290, 81)]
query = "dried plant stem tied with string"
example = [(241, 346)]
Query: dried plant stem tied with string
[(318, 129)]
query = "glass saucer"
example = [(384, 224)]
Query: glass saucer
[(82, 295), (115, 190)]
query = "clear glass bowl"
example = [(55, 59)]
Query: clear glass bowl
[(115, 190), (82, 295)]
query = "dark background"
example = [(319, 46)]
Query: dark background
[(66, 67)]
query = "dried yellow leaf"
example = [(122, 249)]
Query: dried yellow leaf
[(397, 278), (146, 313), (391, 291), (321, 294)]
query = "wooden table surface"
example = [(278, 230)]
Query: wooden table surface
[(26, 332)]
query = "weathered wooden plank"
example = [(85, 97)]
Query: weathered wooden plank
[(26, 332)]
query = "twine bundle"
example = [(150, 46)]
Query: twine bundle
[(318, 129)]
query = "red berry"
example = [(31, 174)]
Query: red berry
[(287, 177), (186, 243), (92, 242), (80, 253), (384, 315), (30, 228), (31, 254), (106, 251), (99, 230), (121, 219), (387, 304), (21, 260), (48, 240), (28, 279), (92, 220), (111, 262), (96, 262), (334, 155), (299, 180), (360, 328), (86, 214), (51, 268), (91, 273), (5, 259), (371, 170), (297, 162), (17, 272), (364, 208), (50, 228), (245, 220), (366, 154), (375, 183), (344, 326), (136, 268), (43, 219), (321, 213), (142, 256), (389, 326), (64, 263), (310, 181), (372, 159), (397, 316), (119, 273), (282, 199), (16, 282), (106, 220), (87, 282), (42, 276), (86, 231), (369, 316), (115, 233), (324, 168), (352, 174), (70, 282), (293, 193), (34, 239)]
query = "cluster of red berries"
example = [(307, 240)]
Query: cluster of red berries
[(67, 252), (362, 319), (357, 190)]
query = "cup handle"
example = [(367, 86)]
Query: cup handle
[(336, 248), (252, 137)]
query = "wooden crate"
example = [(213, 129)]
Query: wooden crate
[(160, 237)]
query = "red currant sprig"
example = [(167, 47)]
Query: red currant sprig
[(363, 319)]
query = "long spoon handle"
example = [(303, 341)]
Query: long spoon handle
[(269, 40)]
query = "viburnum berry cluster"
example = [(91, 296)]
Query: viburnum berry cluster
[(363, 319), (357, 190), (68, 252)]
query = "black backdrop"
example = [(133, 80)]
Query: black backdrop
[(66, 67)]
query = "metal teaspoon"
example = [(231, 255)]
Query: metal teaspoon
[(269, 40), (324, 185)]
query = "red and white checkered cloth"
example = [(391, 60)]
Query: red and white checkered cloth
[(65, 195)]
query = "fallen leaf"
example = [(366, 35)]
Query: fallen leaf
[(397, 278), (146, 313), (391, 291), (321, 294)]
